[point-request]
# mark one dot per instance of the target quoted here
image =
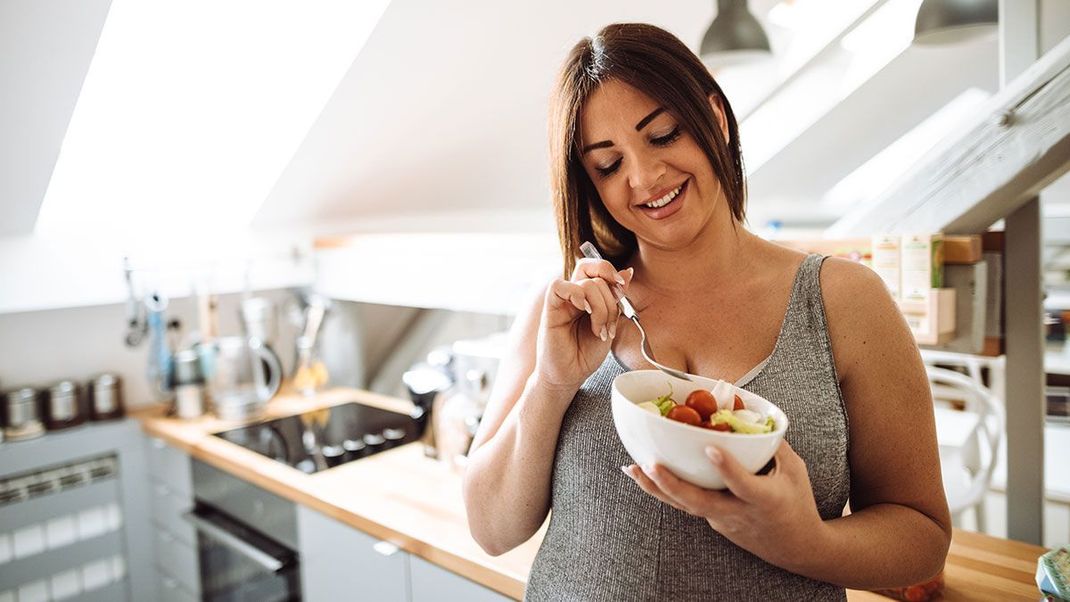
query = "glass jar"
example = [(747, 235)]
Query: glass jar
[(457, 419), (310, 374)]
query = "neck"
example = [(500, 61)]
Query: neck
[(716, 255)]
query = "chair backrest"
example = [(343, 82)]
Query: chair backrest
[(989, 427)]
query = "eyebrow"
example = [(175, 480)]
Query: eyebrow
[(639, 126)]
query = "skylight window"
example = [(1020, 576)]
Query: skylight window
[(864, 51), (191, 110)]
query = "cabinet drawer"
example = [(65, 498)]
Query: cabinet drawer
[(167, 510), (169, 467), (168, 590), (431, 583), (339, 562), (178, 561)]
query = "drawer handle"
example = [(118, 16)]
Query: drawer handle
[(385, 548), (234, 543)]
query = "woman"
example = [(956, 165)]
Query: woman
[(646, 163)]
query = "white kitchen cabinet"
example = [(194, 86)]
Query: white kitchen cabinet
[(171, 485), (339, 562), (431, 583)]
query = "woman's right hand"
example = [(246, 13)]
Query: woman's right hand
[(579, 322)]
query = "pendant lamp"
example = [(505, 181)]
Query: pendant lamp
[(734, 37), (950, 21)]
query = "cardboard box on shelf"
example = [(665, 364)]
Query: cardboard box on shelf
[(962, 249), (922, 265), (932, 320), (887, 262)]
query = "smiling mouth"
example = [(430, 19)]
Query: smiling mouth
[(668, 198)]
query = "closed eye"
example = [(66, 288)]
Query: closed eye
[(609, 169), (660, 141), (667, 139)]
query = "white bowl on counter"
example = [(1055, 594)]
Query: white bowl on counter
[(650, 438)]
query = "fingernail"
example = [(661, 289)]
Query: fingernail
[(620, 280), (587, 306), (714, 454), (612, 330), (603, 334), (625, 470), (631, 272)]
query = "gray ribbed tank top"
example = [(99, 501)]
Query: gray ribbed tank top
[(608, 540)]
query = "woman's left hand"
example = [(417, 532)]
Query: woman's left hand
[(773, 516)]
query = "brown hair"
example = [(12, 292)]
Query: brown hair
[(658, 64)]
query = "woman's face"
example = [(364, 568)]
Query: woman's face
[(651, 174)]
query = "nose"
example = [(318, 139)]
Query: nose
[(646, 171)]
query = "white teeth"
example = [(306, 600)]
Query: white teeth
[(665, 199)]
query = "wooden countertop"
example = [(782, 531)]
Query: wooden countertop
[(415, 502)]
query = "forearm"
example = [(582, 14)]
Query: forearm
[(507, 481), (885, 545)]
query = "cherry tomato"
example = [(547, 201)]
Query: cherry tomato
[(686, 415), (737, 404), (702, 401), (721, 427), (915, 593)]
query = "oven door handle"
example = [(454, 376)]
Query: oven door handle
[(233, 542)]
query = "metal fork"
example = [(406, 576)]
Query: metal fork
[(629, 312)]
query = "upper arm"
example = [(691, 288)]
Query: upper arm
[(516, 365), (893, 452)]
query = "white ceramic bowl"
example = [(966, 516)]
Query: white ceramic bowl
[(680, 447)]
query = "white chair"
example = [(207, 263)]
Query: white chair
[(968, 439)]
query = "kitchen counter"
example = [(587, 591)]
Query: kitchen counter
[(415, 502)]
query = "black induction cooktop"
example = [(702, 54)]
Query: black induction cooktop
[(319, 440)]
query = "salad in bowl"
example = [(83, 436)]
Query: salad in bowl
[(665, 420)]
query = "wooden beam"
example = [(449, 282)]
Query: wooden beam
[(1014, 147), (1024, 314)]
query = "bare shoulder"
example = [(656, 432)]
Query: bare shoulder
[(848, 286), (862, 317)]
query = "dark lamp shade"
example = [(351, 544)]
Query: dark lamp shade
[(950, 21), (734, 37)]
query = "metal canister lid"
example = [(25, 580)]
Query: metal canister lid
[(63, 388), (22, 412), (105, 400), (63, 401), (22, 396), (106, 381)]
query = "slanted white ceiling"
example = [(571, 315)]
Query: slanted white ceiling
[(445, 108), (916, 84), (45, 50), (445, 111)]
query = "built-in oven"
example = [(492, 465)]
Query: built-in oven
[(246, 540)]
